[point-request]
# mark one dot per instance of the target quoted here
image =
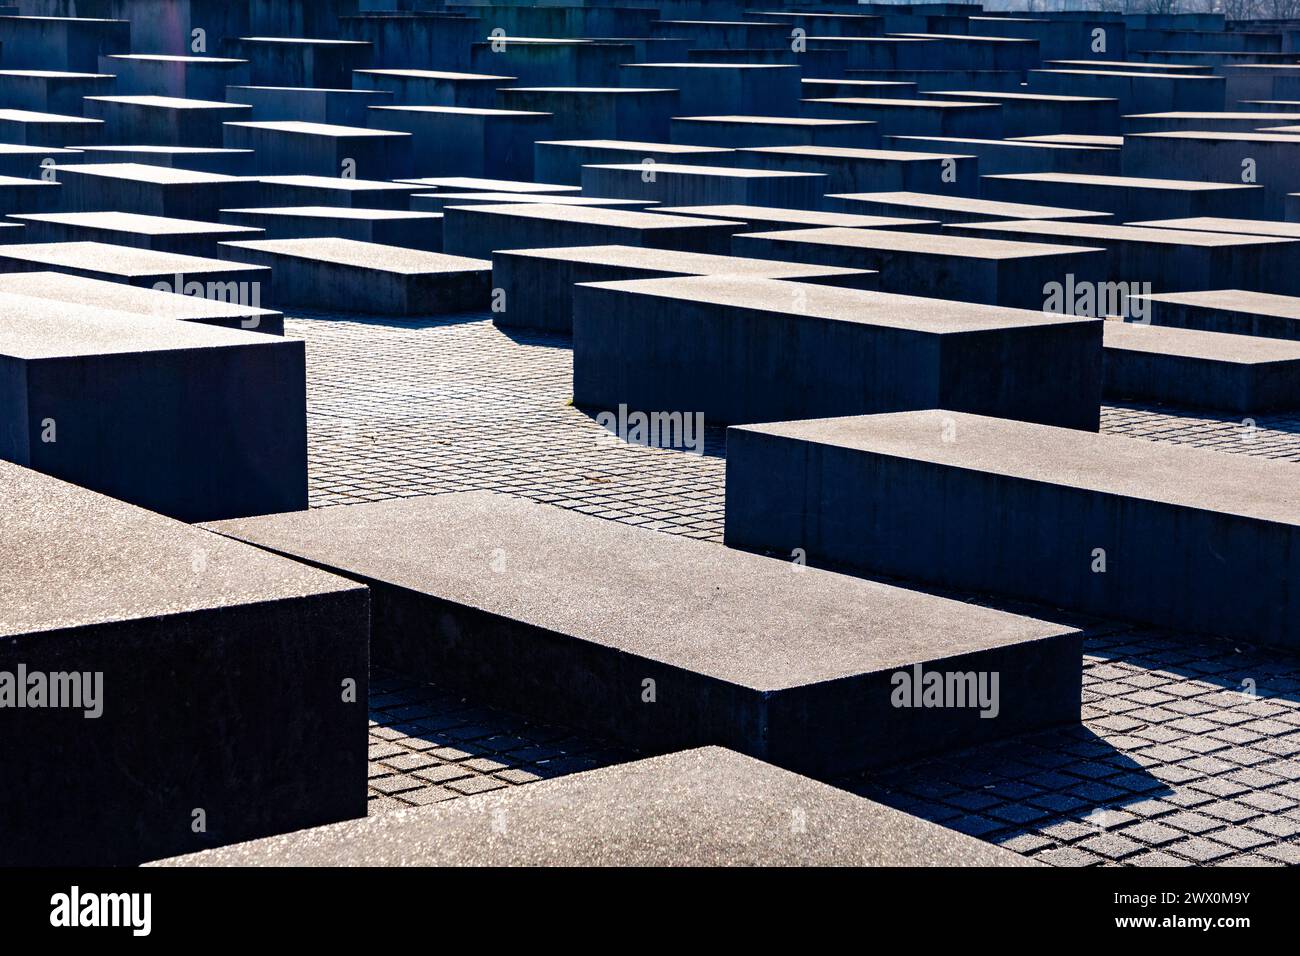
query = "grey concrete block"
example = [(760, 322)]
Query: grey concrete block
[(163, 120), (703, 807), (951, 209), (188, 420), (722, 636), (320, 149), (185, 236), (1234, 311), (686, 184), (863, 170), (989, 271), (1120, 527), (391, 227), (1128, 197), (734, 132), (538, 283), (180, 75), (220, 669), (481, 230), (1241, 374), (150, 190), (324, 273), (466, 141), (742, 349), (561, 161), (1160, 260), (52, 91), (154, 303)]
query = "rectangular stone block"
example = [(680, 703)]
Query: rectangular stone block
[(218, 672), (142, 267), (302, 59), (1234, 311), (1016, 156), (704, 807), (599, 112), (993, 272), (764, 218), (188, 420), (188, 77), (1241, 374), (433, 87), (561, 161), (682, 184), (28, 128), (734, 132), (118, 297), (1120, 527), (481, 230), (1159, 260), (52, 91), (951, 209), (913, 117), (538, 283), (467, 141), (199, 159), (67, 43), (1269, 159), (366, 277), (751, 89), (185, 236), (319, 149), (743, 349), (863, 170), (306, 104), (716, 631), (1128, 197), (163, 120), (150, 190), (330, 191), (1030, 114), (391, 227), (1136, 91)]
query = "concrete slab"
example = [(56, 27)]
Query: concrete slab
[(862, 170), (117, 297), (153, 411), (433, 87), (1128, 197), (703, 807), (246, 285), (186, 236), (324, 273), (1241, 374), (1160, 260), (743, 349), (715, 631), (1234, 311), (597, 112), (307, 104), (152, 610), (467, 141), (161, 74), (1016, 156), (561, 161), (993, 272), (331, 191), (29, 128), (951, 209), (52, 91), (733, 132), (764, 218), (164, 120), (537, 284), (1121, 527), (410, 230), (688, 184), (201, 159), (480, 230), (321, 149), (149, 190)]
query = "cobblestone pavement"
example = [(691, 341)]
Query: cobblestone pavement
[(1189, 752)]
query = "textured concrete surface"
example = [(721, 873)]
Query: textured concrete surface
[(705, 807), (157, 608)]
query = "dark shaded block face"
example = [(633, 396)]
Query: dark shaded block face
[(162, 689)]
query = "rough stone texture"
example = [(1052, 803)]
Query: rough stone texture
[(222, 673), (463, 588), (704, 807)]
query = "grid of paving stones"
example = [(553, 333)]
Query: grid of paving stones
[(1189, 751)]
